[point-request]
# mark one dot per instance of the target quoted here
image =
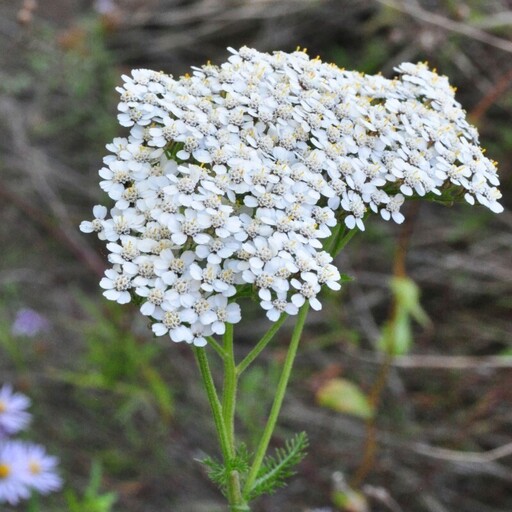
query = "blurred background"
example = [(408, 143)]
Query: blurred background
[(426, 428)]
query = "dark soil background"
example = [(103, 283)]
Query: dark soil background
[(104, 391)]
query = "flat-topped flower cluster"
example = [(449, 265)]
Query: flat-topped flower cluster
[(25, 467), (236, 175)]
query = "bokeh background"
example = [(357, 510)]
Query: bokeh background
[(106, 394)]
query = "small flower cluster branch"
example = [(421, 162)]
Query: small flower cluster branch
[(238, 174), (25, 467)]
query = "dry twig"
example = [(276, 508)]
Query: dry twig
[(414, 10)]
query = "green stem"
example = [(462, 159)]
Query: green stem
[(224, 416), (253, 354), (342, 241), (230, 386), (331, 242), (213, 399), (237, 502), (215, 345), (278, 400)]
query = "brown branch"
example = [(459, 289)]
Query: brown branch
[(452, 362), (414, 10), (435, 362), (498, 89), (464, 457), (83, 253), (378, 387)]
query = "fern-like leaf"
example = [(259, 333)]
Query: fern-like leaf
[(276, 469), (220, 473), (216, 472)]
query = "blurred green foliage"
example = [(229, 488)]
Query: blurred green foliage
[(66, 79), (70, 78), (397, 336), (342, 395), (117, 362), (92, 499)]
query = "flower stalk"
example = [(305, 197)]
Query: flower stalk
[(246, 180), (278, 400)]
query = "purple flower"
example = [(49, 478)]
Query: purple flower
[(13, 414), (29, 323), (40, 469), (26, 467), (104, 6), (12, 487)]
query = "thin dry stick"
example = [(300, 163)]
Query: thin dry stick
[(465, 457), (437, 362), (414, 10), (86, 255), (370, 444), (453, 362), (491, 97)]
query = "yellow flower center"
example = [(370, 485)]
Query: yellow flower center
[(3, 407), (34, 467), (4, 470)]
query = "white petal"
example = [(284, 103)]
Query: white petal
[(208, 317), (350, 222), (315, 304), (179, 238), (298, 300), (124, 298), (159, 329), (111, 294), (219, 327), (189, 315), (265, 294), (200, 342), (201, 155), (147, 308), (107, 284), (181, 333), (86, 227), (273, 315)]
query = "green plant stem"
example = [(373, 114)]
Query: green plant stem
[(224, 414), (33, 504), (238, 503), (342, 240), (230, 386), (213, 399), (337, 232), (278, 400), (253, 354), (213, 343)]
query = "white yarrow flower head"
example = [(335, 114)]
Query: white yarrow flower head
[(234, 178)]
